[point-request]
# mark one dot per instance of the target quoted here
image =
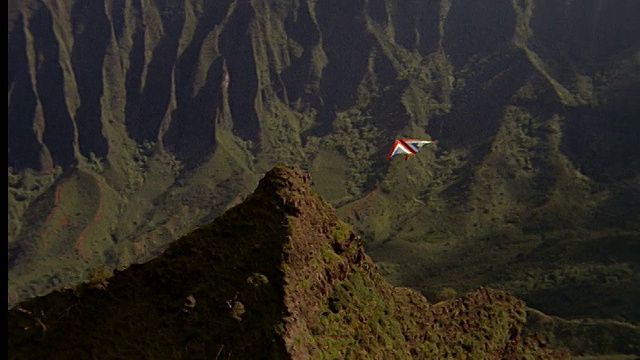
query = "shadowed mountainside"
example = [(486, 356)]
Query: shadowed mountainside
[(278, 276), (133, 122)]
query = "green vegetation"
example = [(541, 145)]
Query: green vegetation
[(178, 109), (445, 294), (229, 288), (24, 188), (340, 231)]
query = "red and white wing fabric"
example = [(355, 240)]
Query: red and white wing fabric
[(407, 147), (399, 147)]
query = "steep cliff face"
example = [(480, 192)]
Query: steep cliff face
[(91, 77), (132, 122), (276, 277)]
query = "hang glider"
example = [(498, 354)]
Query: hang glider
[(407, 147)]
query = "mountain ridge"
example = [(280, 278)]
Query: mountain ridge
[(295, 283)]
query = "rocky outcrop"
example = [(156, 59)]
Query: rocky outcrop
[(278, 276)]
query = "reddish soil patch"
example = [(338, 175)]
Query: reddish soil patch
[(64, 220)]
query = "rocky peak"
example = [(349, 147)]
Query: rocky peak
[(277, 276)]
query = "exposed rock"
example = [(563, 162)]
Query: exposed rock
[(265, 281)]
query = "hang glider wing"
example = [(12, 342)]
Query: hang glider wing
[(399, 147), (407, 147)]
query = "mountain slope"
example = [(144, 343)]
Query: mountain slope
[(278, 276), (133, 122)]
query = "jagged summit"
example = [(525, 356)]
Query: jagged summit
[(277, 276)]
